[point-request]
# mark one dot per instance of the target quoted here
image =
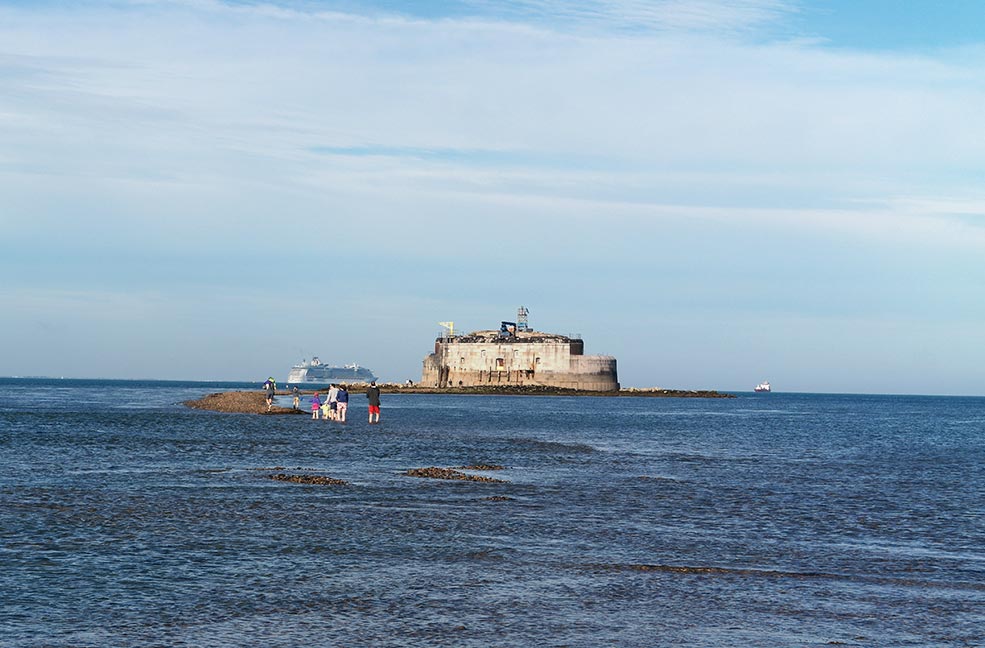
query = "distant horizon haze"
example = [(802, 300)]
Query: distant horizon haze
[(258, 382)]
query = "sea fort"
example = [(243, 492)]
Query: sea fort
[(516, 355)]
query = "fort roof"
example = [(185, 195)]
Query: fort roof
[(493, 336)]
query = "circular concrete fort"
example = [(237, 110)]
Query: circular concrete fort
[(516, 356)]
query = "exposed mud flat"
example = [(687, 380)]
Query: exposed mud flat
[(434, 472)]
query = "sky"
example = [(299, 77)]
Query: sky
[(715, 192)]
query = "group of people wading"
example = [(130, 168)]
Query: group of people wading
[(336, 402), (335, 406)]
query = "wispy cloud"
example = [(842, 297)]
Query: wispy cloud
[(263, 97), (633, 16), (651, 15), (138, 139)]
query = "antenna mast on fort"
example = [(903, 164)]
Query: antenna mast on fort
[(521, 319)]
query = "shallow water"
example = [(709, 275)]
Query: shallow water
[(766, 520)]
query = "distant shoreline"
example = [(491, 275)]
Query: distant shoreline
[(254, 402)]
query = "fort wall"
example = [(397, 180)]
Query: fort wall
[(530, 358)]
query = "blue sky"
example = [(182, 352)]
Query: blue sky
[(714, 192)]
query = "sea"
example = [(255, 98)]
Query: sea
[(128, 519)]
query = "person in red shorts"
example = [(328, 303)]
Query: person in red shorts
[(373, 394)]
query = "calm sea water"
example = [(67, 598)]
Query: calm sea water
[(767, 520)]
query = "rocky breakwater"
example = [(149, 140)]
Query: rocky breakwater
[(660, 392), (546, 390)]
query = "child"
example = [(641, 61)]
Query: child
[(315, 406)]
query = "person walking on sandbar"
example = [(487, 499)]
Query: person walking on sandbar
[(270, 387), (373, 394)]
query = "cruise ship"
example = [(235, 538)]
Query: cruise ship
[(316, 374)]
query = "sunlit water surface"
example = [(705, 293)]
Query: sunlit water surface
[(127, 519)]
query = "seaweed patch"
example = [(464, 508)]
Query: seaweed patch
[(447, 473), (308, 479)]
